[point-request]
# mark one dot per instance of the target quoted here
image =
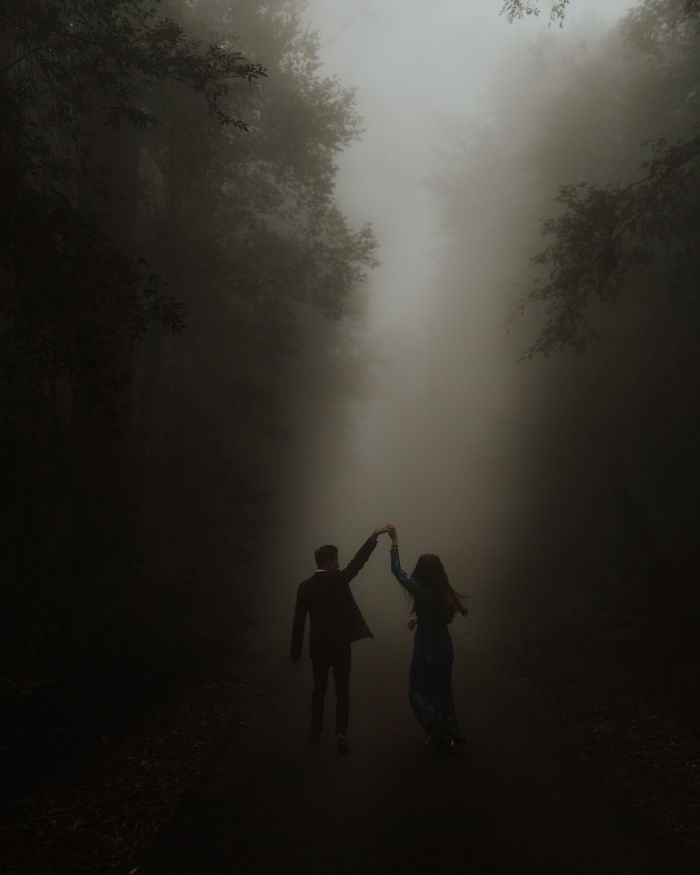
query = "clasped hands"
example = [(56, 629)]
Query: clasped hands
[(387, 528)]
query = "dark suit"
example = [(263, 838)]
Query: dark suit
[(335, 622)]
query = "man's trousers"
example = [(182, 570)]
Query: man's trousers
[(339, 660)]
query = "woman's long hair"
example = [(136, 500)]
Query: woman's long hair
[(430, 572)]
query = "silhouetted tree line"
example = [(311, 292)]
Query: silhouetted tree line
[(604, 414), (168, 230)]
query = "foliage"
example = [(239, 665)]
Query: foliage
[(283, 175), (597, 500), (73, 314), (247, 230), (514, 9), (606, 232), (161, 173), (78, 56)]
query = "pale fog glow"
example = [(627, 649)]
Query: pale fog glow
[(427, 446)]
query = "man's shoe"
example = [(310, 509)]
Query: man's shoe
[(343, 746), (455, 746), (438, 741), (314, 737)]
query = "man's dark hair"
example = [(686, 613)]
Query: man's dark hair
[(323, 554)]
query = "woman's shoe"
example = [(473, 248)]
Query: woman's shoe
[(434, 741)]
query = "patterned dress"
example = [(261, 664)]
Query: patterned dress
[(430, 679)]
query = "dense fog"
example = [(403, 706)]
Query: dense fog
[(434, 442), (274, 273), (538, 457)]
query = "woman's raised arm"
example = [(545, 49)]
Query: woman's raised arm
[(404, 578)]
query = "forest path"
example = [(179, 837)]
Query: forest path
[(517, 801)]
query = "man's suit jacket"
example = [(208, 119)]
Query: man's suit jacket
[(335, 619)]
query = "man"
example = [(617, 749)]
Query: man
[(335, 622)]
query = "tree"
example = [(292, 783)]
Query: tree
[(183, 205), (605, 233), (248, 232), (72, 70), (592, 460)]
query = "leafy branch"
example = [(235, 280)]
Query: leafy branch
[(604, 232), (119, 48), (517, 9)]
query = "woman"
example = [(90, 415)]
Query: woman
[(430, 684)]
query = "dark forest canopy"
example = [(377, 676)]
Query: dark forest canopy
[(606, 232), (597, 461), (173, 258), (169, 222), (73, 75)]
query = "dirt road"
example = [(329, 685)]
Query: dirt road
[(515, 802)]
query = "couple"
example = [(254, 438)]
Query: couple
[(336, 622)]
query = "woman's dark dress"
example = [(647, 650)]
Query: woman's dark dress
[(430, 679)]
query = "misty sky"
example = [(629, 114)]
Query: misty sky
[(418, 69), (415, 65)]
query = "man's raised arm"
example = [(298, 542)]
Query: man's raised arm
[(363, 554)]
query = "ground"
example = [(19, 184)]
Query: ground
[(245, 792), (518, 800)]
